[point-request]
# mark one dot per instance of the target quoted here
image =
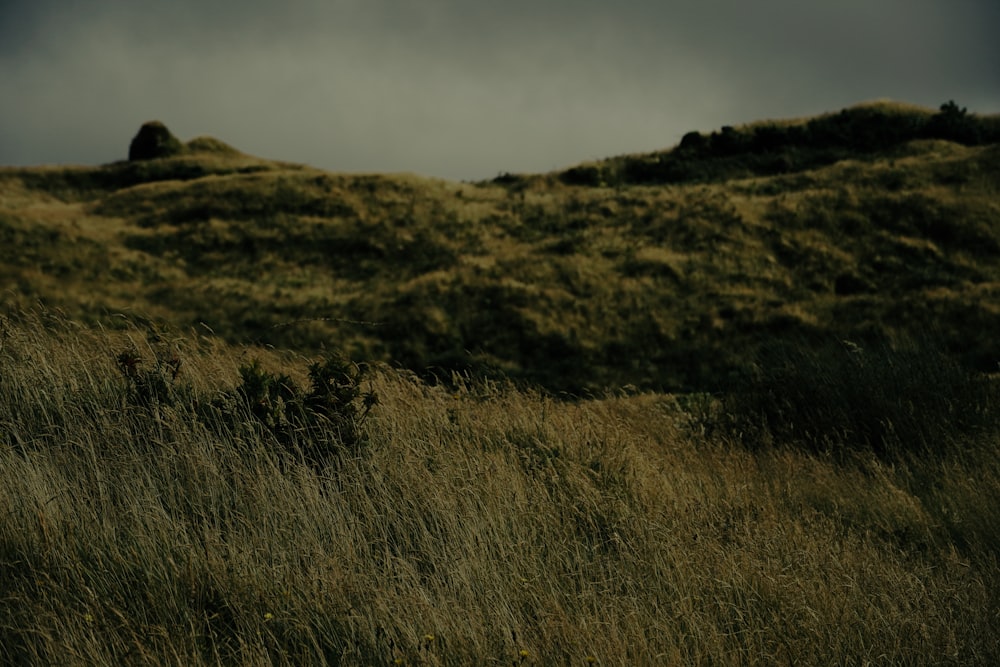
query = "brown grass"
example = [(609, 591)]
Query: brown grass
[(811, 509), (575, 288), (480, 525)]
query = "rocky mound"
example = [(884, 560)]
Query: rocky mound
[(153, 141)]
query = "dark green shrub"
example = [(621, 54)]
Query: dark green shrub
[(149, 386), (842, 400), (668, 168), (769, 138), (861, 129), (267, 396), (336, 397), (316, 423), (507, 178), (771, 148), (728, 141), (955, 124), (585, 176)]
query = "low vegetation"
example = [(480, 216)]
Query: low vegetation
[(770, 148), (477, 524), (577, 289), (730, 403)]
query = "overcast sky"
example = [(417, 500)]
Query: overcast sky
[(465, 89)]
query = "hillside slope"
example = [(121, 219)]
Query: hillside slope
[(576, 283)]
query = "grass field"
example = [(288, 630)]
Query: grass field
[(731, 403), (479, 524)]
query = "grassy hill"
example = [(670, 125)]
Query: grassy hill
[(647, 274), (191, 473)]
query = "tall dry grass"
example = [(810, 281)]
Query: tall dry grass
[(479, 525)]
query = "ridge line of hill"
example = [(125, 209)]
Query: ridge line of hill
[(631, 277)]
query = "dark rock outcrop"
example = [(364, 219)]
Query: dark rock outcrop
[(153, 141)]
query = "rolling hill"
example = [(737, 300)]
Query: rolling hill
[(192, 475), (672, 270)]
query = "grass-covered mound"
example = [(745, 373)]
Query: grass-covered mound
[(674, 286), (156, 510), (781, 147)]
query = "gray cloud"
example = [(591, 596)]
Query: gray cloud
[(465, 89)]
